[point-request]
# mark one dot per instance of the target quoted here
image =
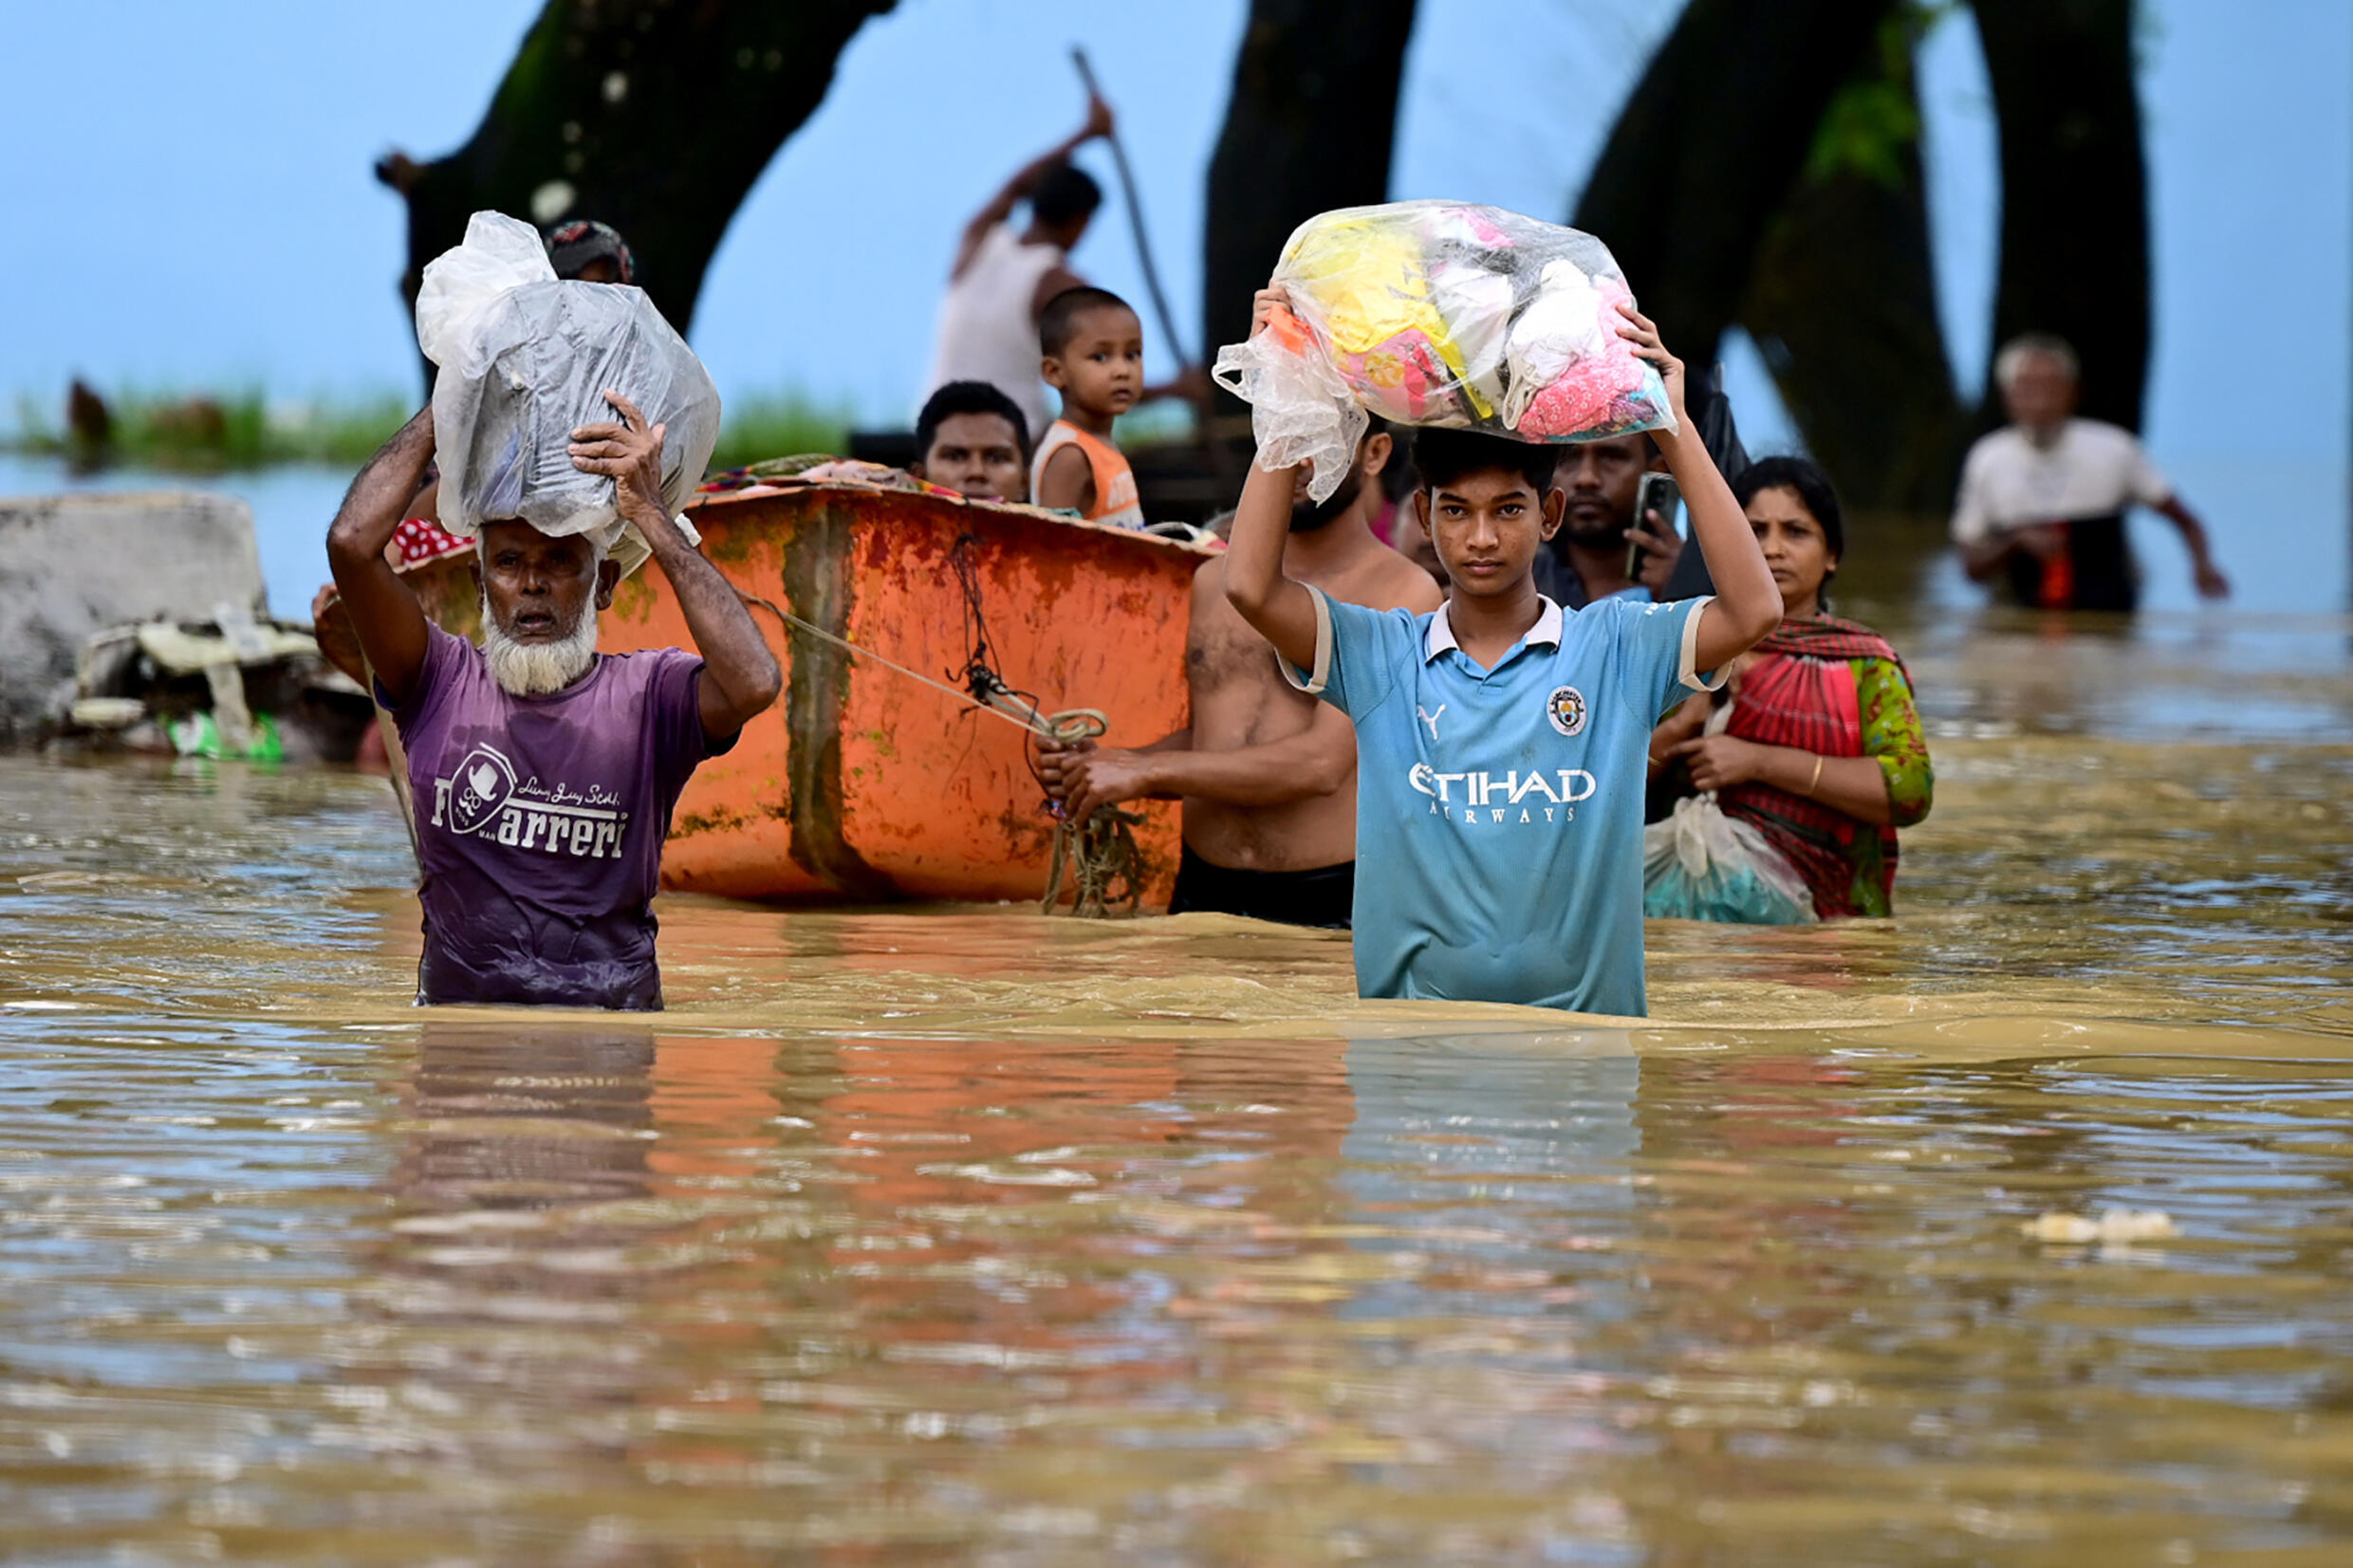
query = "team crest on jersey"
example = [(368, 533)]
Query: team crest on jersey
[(485, 782), (1566, 707)]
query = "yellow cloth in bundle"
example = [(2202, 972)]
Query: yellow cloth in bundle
[(1368, 284)]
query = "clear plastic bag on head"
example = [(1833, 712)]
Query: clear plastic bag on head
[(1699, 864), (1440, 313), (524, 359), (1301, 410)]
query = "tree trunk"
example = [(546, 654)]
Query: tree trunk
[(1309, 127), (654, 115), (1843, 303), (2075, 225), (1706, 152)]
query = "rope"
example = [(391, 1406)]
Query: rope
[(1099, 854), (397, 762), (1022, 715), (1099, 857)]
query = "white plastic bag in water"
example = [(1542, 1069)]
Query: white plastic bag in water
[(1700, 864), (524, 359), (1440, 313)]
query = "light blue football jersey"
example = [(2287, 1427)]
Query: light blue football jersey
[(1499, 812)]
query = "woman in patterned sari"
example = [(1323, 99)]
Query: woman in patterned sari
[(1822, 749)]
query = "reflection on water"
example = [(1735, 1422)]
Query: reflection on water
[(970, 1237)]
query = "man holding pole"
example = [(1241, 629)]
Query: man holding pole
[(1004, 276)]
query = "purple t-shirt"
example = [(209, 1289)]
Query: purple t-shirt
[(540, 824)]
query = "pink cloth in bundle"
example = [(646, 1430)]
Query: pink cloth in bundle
[(1440, 314), (1596, 394), (1402, 377), (1594, 397)]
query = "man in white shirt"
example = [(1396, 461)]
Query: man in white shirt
[(1003, 276), (2042, 500)]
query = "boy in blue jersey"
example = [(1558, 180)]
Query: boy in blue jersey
[(1501, 741)]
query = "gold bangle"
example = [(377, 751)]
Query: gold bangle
[(1816, 780)]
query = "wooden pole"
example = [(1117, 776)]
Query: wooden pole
[(1135, 217), (397, 759), (1212, 452)]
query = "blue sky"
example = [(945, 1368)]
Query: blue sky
[(190, 203)]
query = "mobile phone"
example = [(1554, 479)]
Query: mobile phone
[(1659, 493)]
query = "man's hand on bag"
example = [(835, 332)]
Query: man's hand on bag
[(631, 453)]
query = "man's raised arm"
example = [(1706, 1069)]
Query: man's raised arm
[(740, 676), (1000, 205), (1281, 610), (390, 623)]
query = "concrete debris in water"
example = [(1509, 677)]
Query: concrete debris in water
[(77, 565), (2114, 1224)]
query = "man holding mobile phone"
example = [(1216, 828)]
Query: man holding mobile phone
[(1615, 540), (1618, 531), (1656, 532)]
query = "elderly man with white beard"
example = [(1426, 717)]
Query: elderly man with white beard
[(544, 774)]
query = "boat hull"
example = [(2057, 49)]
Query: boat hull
[(863, 785)]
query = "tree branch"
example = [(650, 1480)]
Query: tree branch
[(654, 115), (1705, 153)]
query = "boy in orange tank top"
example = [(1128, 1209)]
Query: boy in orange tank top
[(1094, 356)]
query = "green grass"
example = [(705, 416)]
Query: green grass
[(779, 424), (198, 433), (209, 433)]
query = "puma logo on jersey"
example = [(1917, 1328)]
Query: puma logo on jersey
[(1429, 718)]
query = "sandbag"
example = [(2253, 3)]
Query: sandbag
[(1699, 864), (524, 359), (1445, 314)]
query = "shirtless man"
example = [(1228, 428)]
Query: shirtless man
[(1267, 773)]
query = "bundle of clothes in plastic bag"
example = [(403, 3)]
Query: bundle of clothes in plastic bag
[(1700, 864), (1440, 313), (524, 359)]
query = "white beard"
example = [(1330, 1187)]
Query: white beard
[(536, 669)]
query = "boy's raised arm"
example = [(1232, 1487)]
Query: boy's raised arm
[(1747, 604), (1281, 610)]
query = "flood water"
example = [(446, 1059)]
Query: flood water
[(971, 1237)]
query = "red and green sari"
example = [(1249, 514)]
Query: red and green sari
[(1838, 689)]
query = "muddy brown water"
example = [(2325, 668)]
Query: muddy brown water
[(969, 1237)]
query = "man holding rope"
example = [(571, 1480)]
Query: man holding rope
[(1267, 773)]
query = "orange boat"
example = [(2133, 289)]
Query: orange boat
[(861, 784)]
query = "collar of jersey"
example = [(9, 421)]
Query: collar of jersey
[(1441, 633)]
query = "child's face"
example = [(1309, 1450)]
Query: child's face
[(1487, 526), (1102, 368)]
